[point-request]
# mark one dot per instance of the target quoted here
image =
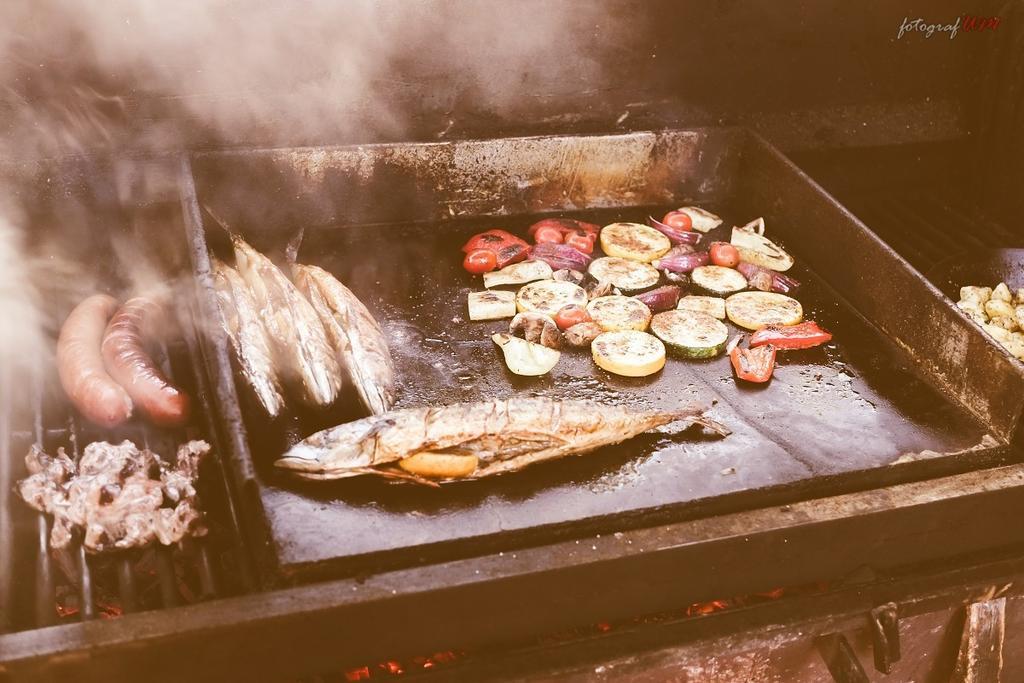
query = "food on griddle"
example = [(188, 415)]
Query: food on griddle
[(248, 336), (753, 364), (570, 315), (614, 313), (629, 353), (130, 365), (526, 358), (440, 465), (595, 288), (805, 335), (505, 247), (679, 231), (724, 254), (536, 328), (718, 281), (518, 274), (681, 260), (306, 358), (560, 256), (576, 234), (116, 496), (753, 310), (582, 335), (362, 349), (999, 312), (504, 436), (712, 305), (80, 364), (629, 276), (491, 305), (755, 248), (567, 275), (549, 296), (701, 220), (767, 280), (690, 334), (634, 241), (660, 299)]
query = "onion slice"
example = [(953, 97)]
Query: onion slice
[(682, 263), (674, 235)]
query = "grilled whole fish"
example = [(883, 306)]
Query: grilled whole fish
[(300, 343), (503, 436), (248, 336), (357, 337)]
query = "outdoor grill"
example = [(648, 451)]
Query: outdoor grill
[(863, 499)]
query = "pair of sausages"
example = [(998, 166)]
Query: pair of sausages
[(105, 369)]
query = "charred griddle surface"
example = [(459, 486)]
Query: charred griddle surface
[(845, 407)]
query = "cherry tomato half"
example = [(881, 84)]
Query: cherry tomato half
[(480, 261), (678, 220), (548, 235), (724, 254), (571, 315)]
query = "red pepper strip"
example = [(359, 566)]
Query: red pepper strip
[(791, 337), (753, 365), (506, 247)]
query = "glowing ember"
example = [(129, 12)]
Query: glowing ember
[(358, 674), (398, 668)]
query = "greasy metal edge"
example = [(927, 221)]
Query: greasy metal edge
[(945, 346), (509, 597)]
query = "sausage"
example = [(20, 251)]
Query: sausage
[(80, 365), (127, 361)]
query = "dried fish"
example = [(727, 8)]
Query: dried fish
[(248, 336), (357, 337), (503, 435), (300, 342)]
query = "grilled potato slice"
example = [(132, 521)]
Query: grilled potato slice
[(629, 353), (634, 241), (752, 310)]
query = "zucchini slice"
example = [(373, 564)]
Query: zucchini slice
[(633, 241), (491, 305), (628, 353), (703, 221), (752, 310), (549, 296), (518, 274), (526, 358), (719, 280), (710, 305), (691, 334), (619, 313), (625, 274)]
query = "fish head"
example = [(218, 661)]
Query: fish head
[(347, 446)]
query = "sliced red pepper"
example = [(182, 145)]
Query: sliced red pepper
[(753, 365), (564, 225), (506, 247), (791, 337), (581, 241)]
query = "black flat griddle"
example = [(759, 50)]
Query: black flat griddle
[(833, 417)]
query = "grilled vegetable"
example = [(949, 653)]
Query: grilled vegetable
[(628, 353), (571, 315), (537, 329), (625, 274), (548, 235), (505, 435), (491, 305), (597, 288), (619, 313), (702, 221), (440, 465), (753, 310), (679, 262), (526, 358), (691, 334), (633, 241), (755, 248), (507, 248), (518, 274), (675, 234), (560, 256), (581, 241), (549, 297), (583, 334), (767, 280), (663, 298), (565, 275), (711, 305), (480, 261), (753, 365), (802, 336), (719, 280), (564, 226), (679, 220), (724, 254)]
